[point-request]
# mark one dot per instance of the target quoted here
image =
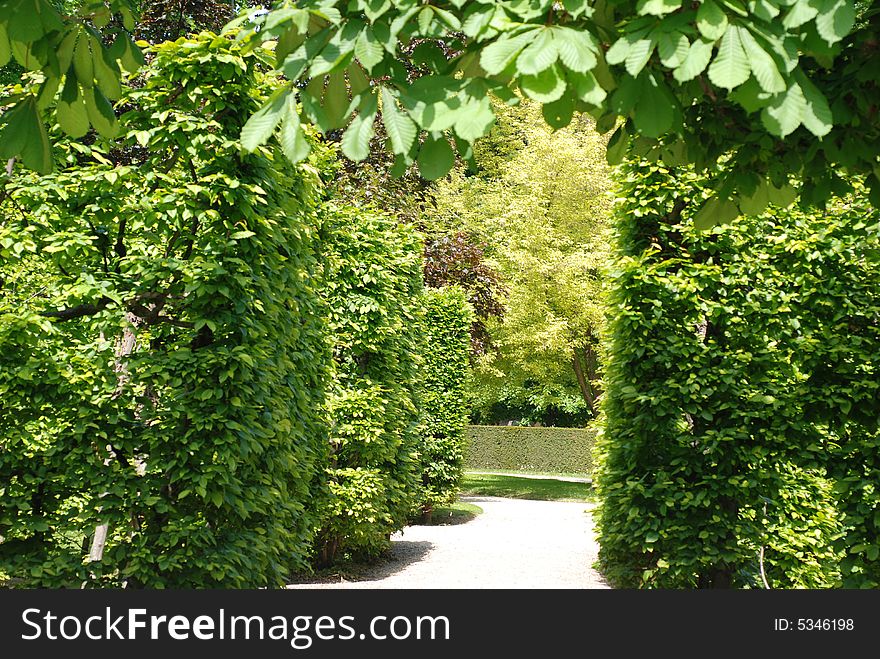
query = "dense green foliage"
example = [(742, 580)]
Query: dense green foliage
[(539, 201), (530, 449), (164, 351), (443, 380), (742, 405), (373, 290), (691, 82)]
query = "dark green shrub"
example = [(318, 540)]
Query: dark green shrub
[(373, 290), (526, 448), (714, 446), (443, 375), (177, 396)]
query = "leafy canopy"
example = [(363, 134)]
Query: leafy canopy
[(788, 87)]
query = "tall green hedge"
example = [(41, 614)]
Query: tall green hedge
[(373, 289), (163, 346), (740, 417), (443, 377), (530, 449)]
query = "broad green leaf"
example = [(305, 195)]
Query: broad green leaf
[(402, 130), (82, 61), (5, 49), (449, 18), (624, 98), (653, 113), (785, 112), (750, 96), (15, 133), (757, 202), (673, 49), (657, 7), (293, 141), (65, 50), (617, 146), (478, 21), (100, 112), (475, 119), (133, 58), (638, 55), (763, 10), (538, 56), (817, 116), (576, 49), (357, 81), (558, 114), (498, 55), (618, 52), (698, 56), (801, 12), (356, 139), (715, 211), (48, 88), (577, 7), (730, 68), (36, 153), (783, 196), (336, 102), (259, 128), (23, 21), (373, 9), (586, 88), (330, 59), (73, 117), (835, 19), (106, 75), (435, 159), (426, 17), (711, 20), (545, 87), (762, 64)]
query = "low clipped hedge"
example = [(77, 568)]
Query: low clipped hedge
[(527, 448)]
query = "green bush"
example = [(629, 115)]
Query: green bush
[(177, 395), (738, 357), (530, 449), (373, 288), (443, 376)]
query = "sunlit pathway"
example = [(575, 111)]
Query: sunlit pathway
[(514, 543)]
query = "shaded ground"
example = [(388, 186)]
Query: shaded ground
[(514, 543)]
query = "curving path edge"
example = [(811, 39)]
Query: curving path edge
[(514, 543)]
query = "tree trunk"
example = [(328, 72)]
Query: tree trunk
[(124, 346), (585, 372)]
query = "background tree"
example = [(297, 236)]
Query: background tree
[(539, 200)]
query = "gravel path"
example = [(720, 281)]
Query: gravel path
[(514, 543)]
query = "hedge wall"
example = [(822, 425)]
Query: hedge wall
[(163, 347), (373, 288), (741, 407), (530, 449), (444, 376)]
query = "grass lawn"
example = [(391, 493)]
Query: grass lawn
[(515, 487), (457, 513)]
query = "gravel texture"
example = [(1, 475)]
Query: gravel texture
[(514, 543)]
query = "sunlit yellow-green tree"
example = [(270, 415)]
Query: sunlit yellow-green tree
[(539, 200)]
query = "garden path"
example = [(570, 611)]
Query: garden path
[(514, 543)]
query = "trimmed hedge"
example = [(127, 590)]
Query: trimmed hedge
[(182, 405), (373, 290), (527, 448), (741, 407), (444, 374)]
